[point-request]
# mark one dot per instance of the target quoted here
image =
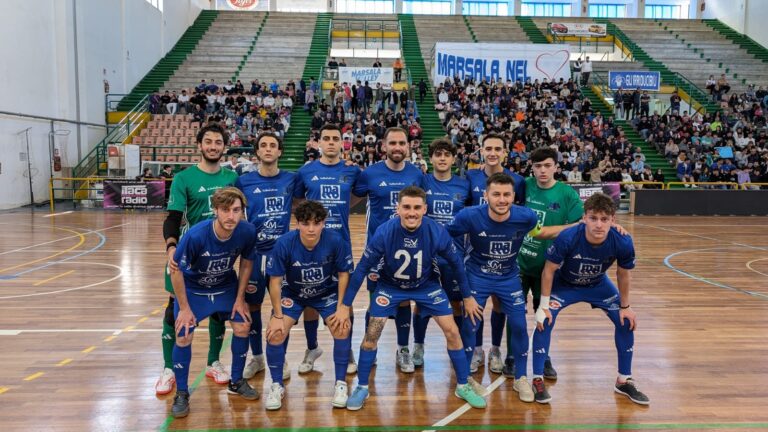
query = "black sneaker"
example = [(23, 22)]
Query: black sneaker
[(243, 389), (180, 407), (629, 390), (509, 368), (540, 393), (549, 372)]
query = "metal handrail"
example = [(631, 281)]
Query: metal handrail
[(733, 184)]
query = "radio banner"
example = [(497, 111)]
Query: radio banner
[(586, 190), (631, 80), (127, 194)]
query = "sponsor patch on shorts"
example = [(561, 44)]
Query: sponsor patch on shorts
[(554, 304), (286, 302), (382, 301), (250, 289)]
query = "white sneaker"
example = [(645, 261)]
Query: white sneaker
[(308, 363), (404, 361), (286, 371), (255, 365), (352, 365), (218, 372), (274, 400), (340, 395), (165, 383), (476, 386), (478, 359), (495, 363), (523, 389)]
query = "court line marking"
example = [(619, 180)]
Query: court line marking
[(82, 240), (701, 236), (58, 214), (89, 251), (58, 240), (3, 390), (34, 376), (119, 275), (749, 266), (64, 362), (466, 407), (89, 349), (52, 278)]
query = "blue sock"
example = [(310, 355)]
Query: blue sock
[(310, 329), (403, 323), (460, 365), (625, 342), (520, 341), (458, 319), (419, 328), (181, 359), (254, 335), (467, 331), (341, 348), (239, 353), (275, 361), (479, 334), (497, 327), (364, 366)]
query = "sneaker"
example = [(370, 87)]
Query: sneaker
[(509, 367), (478, 358), (418, 355), (274, 400), (404, 361), (352, 365), (629, 390), (180, 407), (473, 399), (494, 360), (165, 383), (357, 399), (476, 386), (540, 393), (308, 363), (255, 365), (217, 372), (286, 371), (523, 389), (549, 371), (243, 389), (340, 395)]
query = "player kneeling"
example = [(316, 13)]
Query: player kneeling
[(206, 284), (575, 272), (308, 267)]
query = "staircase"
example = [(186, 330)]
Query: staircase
[(431, 126), (744, 41), (163, 70), (652, 157), (531, 30), (469, 28), (298, 133), (250, 50)]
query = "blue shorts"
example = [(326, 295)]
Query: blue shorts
[(430, 299), (603, 295), (508, 291), (449, 279), (293, 305), (259, 281), (219, 302)]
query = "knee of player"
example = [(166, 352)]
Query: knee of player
[(184, 341), (340, 333), (240, 329), (277, 339)]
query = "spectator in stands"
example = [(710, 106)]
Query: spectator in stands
[(229, 88), (201, 88), (343, 63), (586, 71), (183, 102), (333, 69), (422, 90), (212, 87), (576, 69), (723, 85), (398, 69), (645, 102), (146, 175), (377, 63), (674, 102)]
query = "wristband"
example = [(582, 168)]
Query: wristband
[(278, 317), (624, 307), (169, 245), (544, 302)]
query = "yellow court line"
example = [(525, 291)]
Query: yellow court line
[(142, 319), (64, 362), (109, 338), (80, 243), (155, 312), (34, 376), (3, 390), (52, 278), (89, 349), (129, 328)]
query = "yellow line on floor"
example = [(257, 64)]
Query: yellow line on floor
[(82, 240), (109, 338), (52, 278), (34, 376), (64, 362), (89, 349), (129, 328), (3, 390), (142, 319)]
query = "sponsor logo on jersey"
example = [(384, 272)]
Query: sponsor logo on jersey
[(330, 192), (313, 274), (286, 302), (393, 196), (218, 265), (202, 189), (274, 204), (314, 178), (257, 190), (411, 243), (383, 184), (482, 234), (382, 301), (297, 264), (206, 253), (443, 207), (476, 189), (500, 248), (590, 269), (577, 256)]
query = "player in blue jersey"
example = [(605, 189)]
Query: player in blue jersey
[(382, 183), (407, 246), (446, 195), (575, 272), (206, 284), (330, 181), (495, 233), (308, 267), (270, 195), (493, 152)]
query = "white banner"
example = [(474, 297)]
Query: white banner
[(243, 5), (351, 75), (505, 62), (578, 29)]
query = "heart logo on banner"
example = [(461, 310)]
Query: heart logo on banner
[(551, 63)]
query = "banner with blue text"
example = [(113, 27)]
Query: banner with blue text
[(631, 80), (352, 75), (501, 62)]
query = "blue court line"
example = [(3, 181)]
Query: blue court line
[(707, 281), (93, 249)]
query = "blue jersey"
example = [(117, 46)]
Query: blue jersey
[(585, 264), (383, 186), (477, 179), (405, 259), (331, 185), (493, 246), (310, 273), (446, 198), (207, 263), (269, 204)]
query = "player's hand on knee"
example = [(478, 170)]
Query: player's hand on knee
[(241, 307), (542, 315), (473, 310), (339, 320), (184, 320), (630, 316)]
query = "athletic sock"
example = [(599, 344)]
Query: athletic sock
[(460, 365), (364, 366), (182, 356), (479, 334), (216, 330), (497, 327), (341, 348), (239, 349), (403, 323), (310, 329), (169, 341), (275, 361), (254, 335), (419, 328)]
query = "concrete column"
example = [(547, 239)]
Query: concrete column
[(272, 5), (582, 10), (518, 7), (638, 8), (458, 5), (398, 6)]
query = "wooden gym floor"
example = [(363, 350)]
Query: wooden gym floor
[(81, 304)]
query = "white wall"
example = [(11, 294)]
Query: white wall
[(756, 16), (731, 12), (117, 40)]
